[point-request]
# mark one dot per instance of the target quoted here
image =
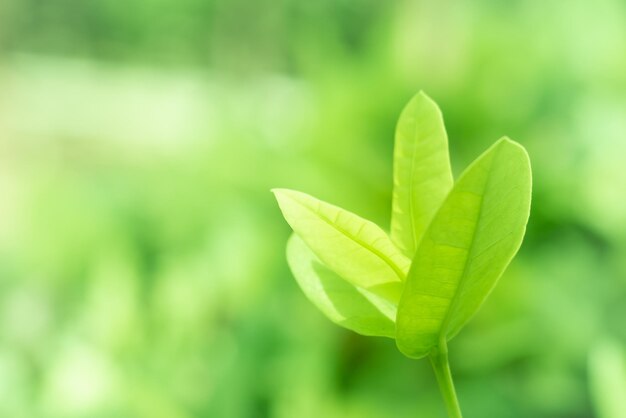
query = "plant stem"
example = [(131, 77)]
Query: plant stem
[(441, 366)]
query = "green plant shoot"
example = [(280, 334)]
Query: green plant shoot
[(449, 244)]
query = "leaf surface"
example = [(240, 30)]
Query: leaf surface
[(343, 303), (355, 249), (421, 172), (466, 248)]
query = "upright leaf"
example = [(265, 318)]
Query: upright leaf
[(343, 303), (354, 248), (466, 248), (421, 172)]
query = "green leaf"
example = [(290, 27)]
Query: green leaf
[(466, 248), (352, 247), (344, 304), (421, 173)]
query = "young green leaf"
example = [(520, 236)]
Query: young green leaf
[(354, 248), (421, 172), (343, 303), (466, 248)]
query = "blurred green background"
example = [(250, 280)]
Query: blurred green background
[(142, 268)]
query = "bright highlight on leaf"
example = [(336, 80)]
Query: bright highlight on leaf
[(457, 240)]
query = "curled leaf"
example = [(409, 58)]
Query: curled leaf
[(343, 303)]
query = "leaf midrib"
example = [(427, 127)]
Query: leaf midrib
[(411, 181), (455, 298), (363, 244)]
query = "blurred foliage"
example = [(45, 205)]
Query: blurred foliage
[(142, 256)]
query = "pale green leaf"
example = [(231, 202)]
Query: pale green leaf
[(354, 248), (421, 172), (343, 303), (466, 248)]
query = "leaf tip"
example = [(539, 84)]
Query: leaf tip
[(286, 198), (505, 140), (279, 193), (281, 196), (514, 145), (422, 96)]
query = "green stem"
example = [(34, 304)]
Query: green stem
[(441, 366)]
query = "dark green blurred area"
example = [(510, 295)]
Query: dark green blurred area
[(142, 268)]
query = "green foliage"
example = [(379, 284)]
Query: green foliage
[(343, 303), (467, 246), (461, 254), (421, 171), (354, 248), (463, 240)]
